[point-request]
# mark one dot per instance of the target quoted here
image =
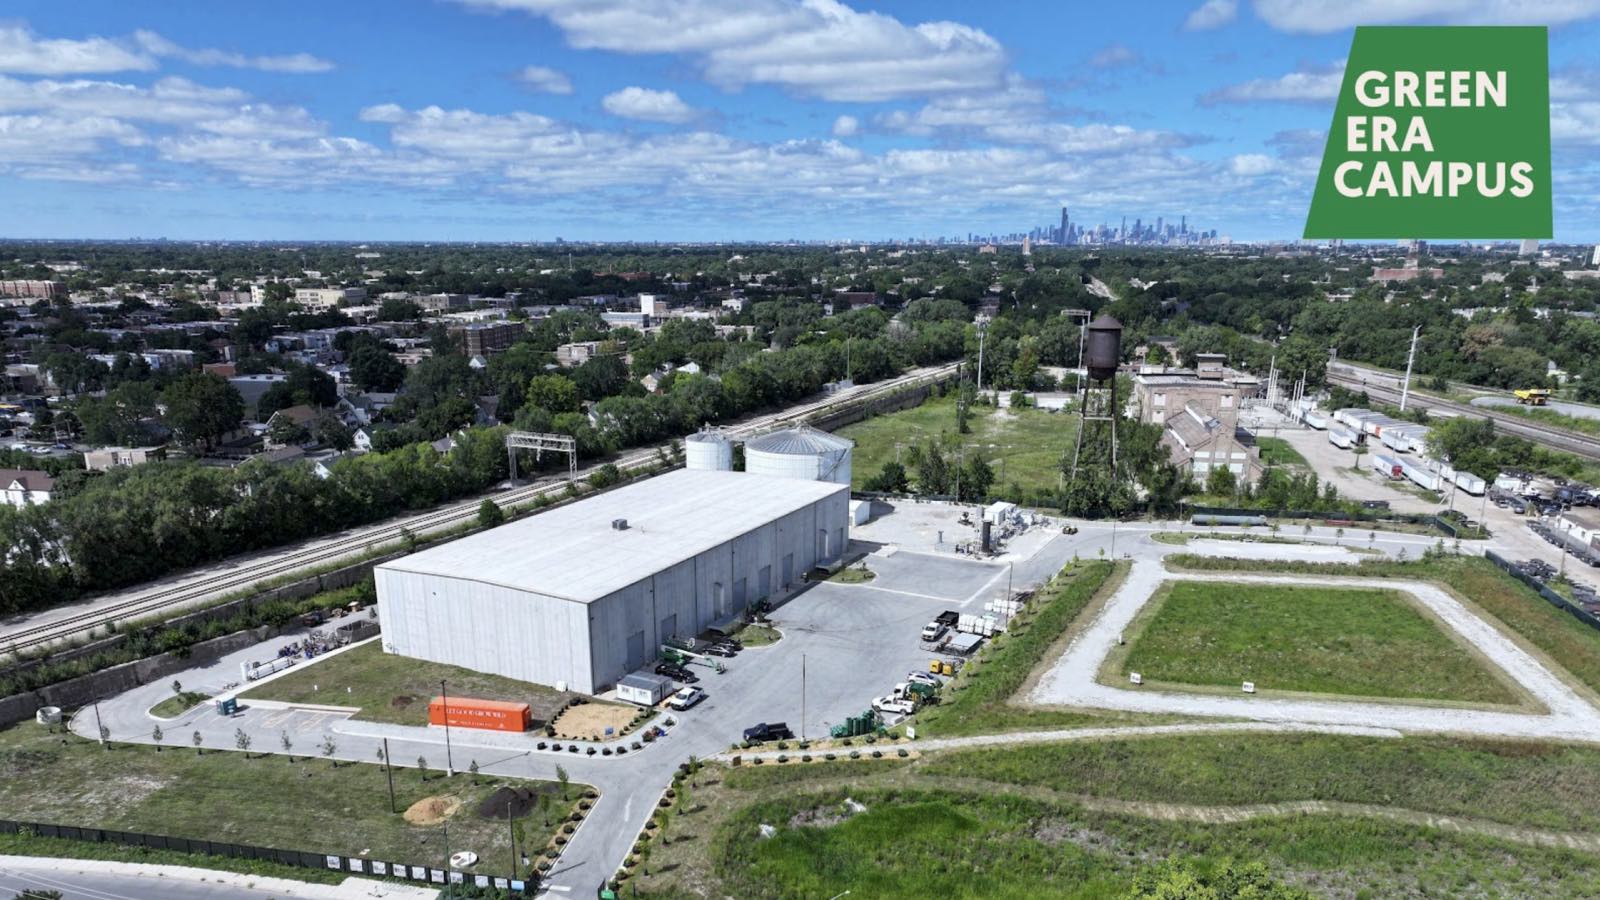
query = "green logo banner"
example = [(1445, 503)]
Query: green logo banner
[(1439, 133)]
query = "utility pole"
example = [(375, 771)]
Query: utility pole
[(389, 771), (802, 696), (449, 764), (981, 332), (99, 729), (1411, 357)]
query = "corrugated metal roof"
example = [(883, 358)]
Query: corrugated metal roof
[(573, 553), (799, 441), (644, 680)]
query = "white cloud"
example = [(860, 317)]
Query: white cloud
[(1321, 17), (296, 63), (1212, 14), (1112, 56), (546, 79), (1252, 164), (1306, 86), (1575, 123), (24, 53), (56, 139), (819, 48), (648, 105), (846, 126)]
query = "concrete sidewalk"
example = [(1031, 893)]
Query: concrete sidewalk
[(62, 870)]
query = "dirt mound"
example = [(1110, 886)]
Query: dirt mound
[(432, 810), (523, 801), (402, 701)]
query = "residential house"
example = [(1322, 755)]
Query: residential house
[(25, 487)]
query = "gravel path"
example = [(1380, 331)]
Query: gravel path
[(1071, 681)]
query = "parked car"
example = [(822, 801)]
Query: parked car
[(677, 673), (768, 731), (933, 631), (685, 698), (892, 704), (719, 650), (924, 678)]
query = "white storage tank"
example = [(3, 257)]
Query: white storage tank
[(708, 449), (802, 452)]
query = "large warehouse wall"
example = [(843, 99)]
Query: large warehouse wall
[(628, 626), (485, 627)]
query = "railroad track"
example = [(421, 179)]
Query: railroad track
[(1547, 435), (153, 604)]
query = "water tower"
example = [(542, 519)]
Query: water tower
[(1102, 353)]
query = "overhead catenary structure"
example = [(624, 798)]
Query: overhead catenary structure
[(581, 595)]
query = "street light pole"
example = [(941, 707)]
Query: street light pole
[(802, 696), (99, 729), (388, 770), (449, 763)]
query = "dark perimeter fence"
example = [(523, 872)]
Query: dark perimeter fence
[(1554, 598), (355, 865)]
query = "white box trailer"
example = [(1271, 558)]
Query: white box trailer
[(1387, 465), (1470, 483), (1420, 474), (1347, 415), (1404, 438), (643, 688), (1342, 438), (1314, 419)]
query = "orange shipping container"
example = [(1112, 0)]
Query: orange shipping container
[(493, 715)]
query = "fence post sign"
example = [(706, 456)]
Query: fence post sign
[(1439, 132)]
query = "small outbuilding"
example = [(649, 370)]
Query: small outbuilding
[(643, 688)]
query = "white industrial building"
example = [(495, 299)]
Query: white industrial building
[(581, 595)]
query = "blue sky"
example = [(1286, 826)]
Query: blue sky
[(701, 119)]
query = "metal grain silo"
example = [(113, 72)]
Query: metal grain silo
[(708, 449), (1103, 348), (801, 452)]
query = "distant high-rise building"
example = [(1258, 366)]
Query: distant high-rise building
[(1529, 247), (1183, 224), (1595, 260), (1122, 231), (1063, 225)]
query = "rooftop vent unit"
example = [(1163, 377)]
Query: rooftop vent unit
[(619, 524)]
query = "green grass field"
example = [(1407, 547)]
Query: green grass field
[(1277, 452), (1321, 640), (1567, 642), (1023, 446), (918, 837), (391, 688), (268, 801), (1523, 784)]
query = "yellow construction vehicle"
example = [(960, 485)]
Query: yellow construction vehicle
[(1533, 396)]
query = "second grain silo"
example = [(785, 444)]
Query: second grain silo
[(801, 452), (708, 449)]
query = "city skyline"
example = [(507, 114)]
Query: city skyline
[(513, 120)]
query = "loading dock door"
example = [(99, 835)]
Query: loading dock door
[(635, 650), (669, 626), (788, 569), (740, 589), (822, 544), (764, 583)]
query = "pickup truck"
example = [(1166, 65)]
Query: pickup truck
[(768, 731), (949, 618), (893, 704)]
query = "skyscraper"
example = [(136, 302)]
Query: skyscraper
[(1063, 224)]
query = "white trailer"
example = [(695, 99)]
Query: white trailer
[(1470, 483), (1314, 419), (1420, 474), (1341, 438)]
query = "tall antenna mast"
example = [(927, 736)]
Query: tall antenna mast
[(1411, 357)]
